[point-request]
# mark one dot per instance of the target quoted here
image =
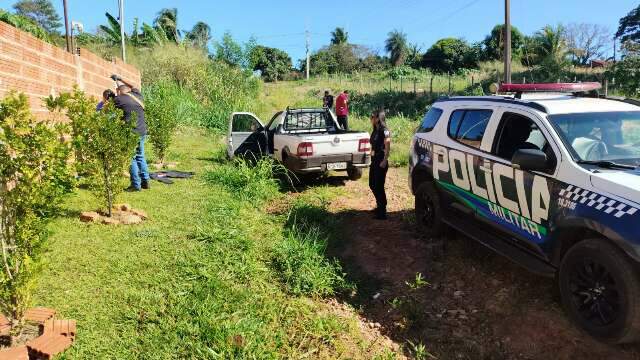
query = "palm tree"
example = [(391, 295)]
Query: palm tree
[(396, 46), (339, 36), (551, 42), (112, 30), (167, 20), (200, 34)]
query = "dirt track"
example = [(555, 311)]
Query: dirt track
[(476, 304)]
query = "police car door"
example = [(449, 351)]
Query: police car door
[(516, 202), (455, 158)]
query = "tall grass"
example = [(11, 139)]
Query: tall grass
[(253, 181), (210, 90)]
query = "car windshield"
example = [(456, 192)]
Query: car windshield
[(605, 136)]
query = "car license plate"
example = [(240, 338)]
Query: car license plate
[(337, 166)]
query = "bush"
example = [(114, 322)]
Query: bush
[(627, 75), (34, 176), (162, 105), (394, 102), (105, 142)]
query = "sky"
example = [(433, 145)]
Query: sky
[(282, 23)]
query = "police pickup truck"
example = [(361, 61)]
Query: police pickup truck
[(549, 177), (306, 141)]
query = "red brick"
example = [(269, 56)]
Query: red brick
[(15, 353), (39, 314), (48, 345)]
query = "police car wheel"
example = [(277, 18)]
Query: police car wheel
[(427, 210), (354, 173), (600, 291)]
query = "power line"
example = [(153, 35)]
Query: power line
[(446, 17)]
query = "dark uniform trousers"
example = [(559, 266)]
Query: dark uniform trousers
[(377, 177)]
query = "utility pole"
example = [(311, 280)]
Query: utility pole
[(124, 52), (66, 26), (306, 35), (615, 43), (507, 41)]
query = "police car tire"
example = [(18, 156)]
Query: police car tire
[(626, 328), (427, 190), (354, 173)]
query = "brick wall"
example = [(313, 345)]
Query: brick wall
[(39, 69)]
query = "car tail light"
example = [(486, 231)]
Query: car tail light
[(364, 145), (305, 149)]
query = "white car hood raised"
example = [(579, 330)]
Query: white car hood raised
[(625, 184)]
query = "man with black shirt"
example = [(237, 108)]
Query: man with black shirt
[(131, 102), (327, 100)]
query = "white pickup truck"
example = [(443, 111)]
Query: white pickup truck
[(304, 140)]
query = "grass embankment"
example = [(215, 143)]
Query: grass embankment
[(210, 275)]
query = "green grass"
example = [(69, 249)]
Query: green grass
[(209, 276)]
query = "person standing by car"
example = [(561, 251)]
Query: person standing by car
[(380, 149), (131, 102), (342, 109), (327, 100)]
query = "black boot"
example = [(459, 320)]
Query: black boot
[(146, 184), (381, 214)]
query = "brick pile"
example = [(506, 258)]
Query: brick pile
[(39, 69)]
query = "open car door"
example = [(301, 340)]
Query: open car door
[(246, 136)]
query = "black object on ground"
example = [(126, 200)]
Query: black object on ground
[(166, 176)]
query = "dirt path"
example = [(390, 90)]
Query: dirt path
[(476, 304)]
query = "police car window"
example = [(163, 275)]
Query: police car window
[(518, 132), (430, 120), (468, 126)]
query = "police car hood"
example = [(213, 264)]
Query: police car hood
[(625, 184)]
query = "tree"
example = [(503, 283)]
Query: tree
[(587, 42), (162, 101), (629, 29), (339, 36), (273, 63), (40, 11), (229, 51), (112, 30), (199, 35), (414, 56), (627, 75), (104, 141), (396, 46), (34, 176), (547, 51), (450, 55), (335, 59), (167, 21), (493, 44)]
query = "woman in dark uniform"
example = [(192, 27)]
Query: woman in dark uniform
[(380, 148)]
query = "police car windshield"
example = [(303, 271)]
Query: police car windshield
[(605, 136)]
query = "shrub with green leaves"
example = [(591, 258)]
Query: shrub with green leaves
[(35, 173), (162, 103), (627, 76), (106, 144)]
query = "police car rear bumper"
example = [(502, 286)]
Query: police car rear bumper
[(319, 163)]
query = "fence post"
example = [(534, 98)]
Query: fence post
[(431, 88), (400, 83), (390, 85), (415, 90), (449, 84)]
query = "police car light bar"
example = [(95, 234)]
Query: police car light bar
[(550, 87)]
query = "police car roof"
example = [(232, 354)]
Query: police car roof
[(555, 103), (569, 104)]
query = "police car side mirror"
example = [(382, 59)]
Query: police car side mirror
[(530, 159)]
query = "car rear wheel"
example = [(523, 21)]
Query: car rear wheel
[(427, 210), (354, 173), (600, 291)]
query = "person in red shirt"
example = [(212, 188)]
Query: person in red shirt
[(342, 109)]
